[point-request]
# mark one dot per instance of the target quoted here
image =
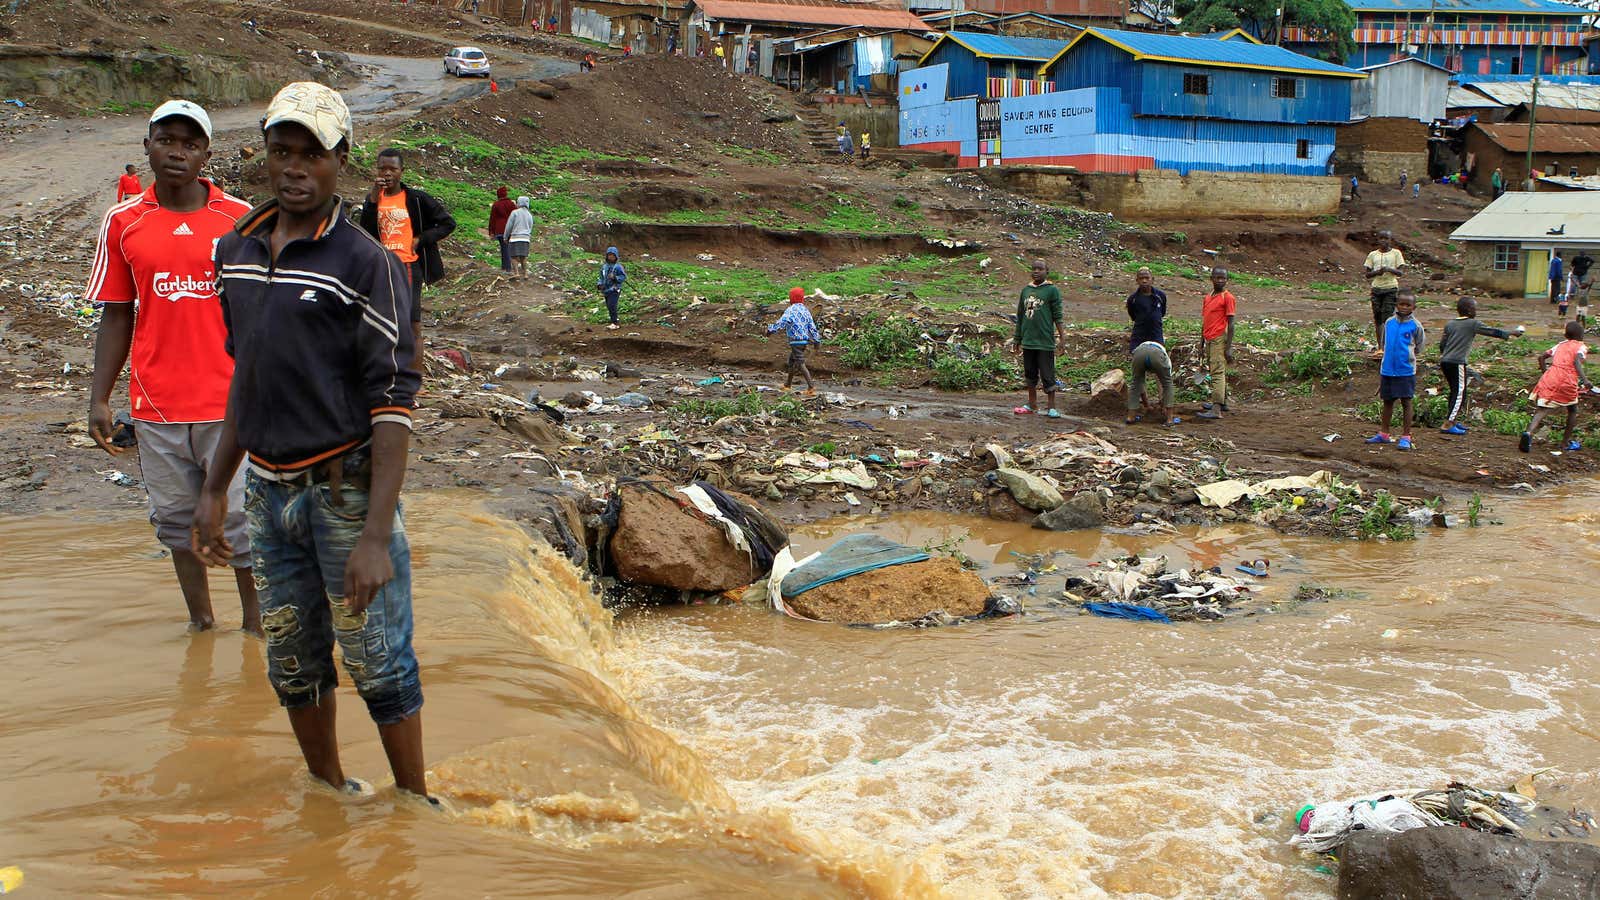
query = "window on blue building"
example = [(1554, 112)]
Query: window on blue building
[(1288, 88), (1194, 83)]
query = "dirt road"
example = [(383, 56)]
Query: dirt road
[(64, 174)]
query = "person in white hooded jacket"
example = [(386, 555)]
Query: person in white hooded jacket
[(519, 233)]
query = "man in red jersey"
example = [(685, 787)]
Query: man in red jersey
[(154, 276), (128, 185)]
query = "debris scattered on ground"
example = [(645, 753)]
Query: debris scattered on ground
[(1325, 827), (868, 579), (1130, 587)]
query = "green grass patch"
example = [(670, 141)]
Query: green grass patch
[(753, 155), (1322, 360), (1329, 287), (749, 403)]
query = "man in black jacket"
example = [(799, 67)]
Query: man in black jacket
[(321, 400), (409, 223)]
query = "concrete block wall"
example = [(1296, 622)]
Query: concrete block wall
[(881, 120), (1156, 193), (1380, 167), (1479, 272)]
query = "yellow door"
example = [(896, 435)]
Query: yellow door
[(1536, 273)]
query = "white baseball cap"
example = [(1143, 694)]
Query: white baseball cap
[(317, 107), (186, 108)]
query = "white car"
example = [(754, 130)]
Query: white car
[(464, 61)]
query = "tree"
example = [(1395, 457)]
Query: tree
[(1328, 21)]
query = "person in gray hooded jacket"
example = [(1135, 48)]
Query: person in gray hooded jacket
[(519, 233)]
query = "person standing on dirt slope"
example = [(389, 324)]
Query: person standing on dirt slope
[(612, 277), (321, 402), (1382, 268), (1147, 309), (1497, 183), (801, 329), (1404, 177), (1355, 188), (156, 284), (410, 223), (1216, 337), (1559, 386), (519, 234), (1454, 348), (128, 184), (1038, 336), (499, 212), (1397, 380)]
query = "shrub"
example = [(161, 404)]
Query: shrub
[(880, 343), (976, 371)]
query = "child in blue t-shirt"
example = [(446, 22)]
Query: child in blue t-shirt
[(1397, 380)]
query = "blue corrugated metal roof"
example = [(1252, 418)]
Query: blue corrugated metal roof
[(1513, 7), (995, 46), (1202, 51)]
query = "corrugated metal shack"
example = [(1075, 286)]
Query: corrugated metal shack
[(977, 62), (1125, 101), (1408, 88), (1558, 149)]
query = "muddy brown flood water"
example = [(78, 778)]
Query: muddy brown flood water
[(723, 751)]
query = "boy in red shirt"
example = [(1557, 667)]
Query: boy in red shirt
[(1216, 336), (128, 185), (156, 249)]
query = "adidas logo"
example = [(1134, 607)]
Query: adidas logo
[(310, 295), (182, 230)]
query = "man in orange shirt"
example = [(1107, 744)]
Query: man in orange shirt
[(1216, 333), (155, 249), (128, 185), (409, 223)]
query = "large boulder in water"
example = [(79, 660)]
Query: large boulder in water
[(1462, 864), (660, 544)]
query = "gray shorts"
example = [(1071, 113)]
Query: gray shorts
[(173, 460)]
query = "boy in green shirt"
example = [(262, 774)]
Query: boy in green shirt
[(1037, 338)]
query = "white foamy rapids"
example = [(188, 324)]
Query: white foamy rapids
[(1064, 756)]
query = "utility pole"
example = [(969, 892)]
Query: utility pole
[(1427, 40), (1533, 113)]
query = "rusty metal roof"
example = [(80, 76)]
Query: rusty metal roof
[(812, 12), (1556, 138)]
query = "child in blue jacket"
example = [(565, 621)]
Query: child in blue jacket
[(801, 329), (612, 276)]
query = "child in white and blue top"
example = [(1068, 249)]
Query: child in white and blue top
[(802, 331)]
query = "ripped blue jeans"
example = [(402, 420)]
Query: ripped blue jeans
[(300, 542)]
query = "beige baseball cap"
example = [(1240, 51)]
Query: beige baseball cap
[(316, 106), (185, 108)]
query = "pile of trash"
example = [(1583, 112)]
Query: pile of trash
[(1128, 587), (1326, 827)]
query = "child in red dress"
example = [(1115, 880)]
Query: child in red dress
[(1559, 386)]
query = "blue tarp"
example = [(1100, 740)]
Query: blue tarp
[(851, 556), (1127, 611)]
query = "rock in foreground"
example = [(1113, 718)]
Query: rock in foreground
[(1463, 864), (659, 544)]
